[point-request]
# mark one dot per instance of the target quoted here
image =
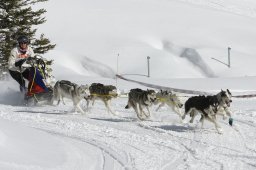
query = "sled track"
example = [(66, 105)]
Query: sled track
[(192, 154), (102, 146), (188, 153), (196, 138), (72, 126)]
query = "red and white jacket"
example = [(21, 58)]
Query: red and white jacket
[(16, 55)]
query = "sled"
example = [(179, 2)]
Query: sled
[(40, 86)]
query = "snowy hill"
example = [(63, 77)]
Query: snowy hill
[(160, 29), (97, 39)]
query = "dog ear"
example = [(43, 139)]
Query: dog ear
[(223, 94), (228, 92)]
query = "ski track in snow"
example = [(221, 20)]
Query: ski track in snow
[(159, 143)]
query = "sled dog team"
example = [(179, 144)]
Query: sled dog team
[(207, 106)]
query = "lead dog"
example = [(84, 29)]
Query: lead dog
[(139, 99), (206, 105), (67, 89), (169, 98), (102, 92), (220, 106), (224, 101)]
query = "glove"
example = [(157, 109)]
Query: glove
[(29, 59), (20, 62)]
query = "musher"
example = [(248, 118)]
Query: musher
[(18, 56)]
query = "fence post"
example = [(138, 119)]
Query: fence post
[(229, 57), (148, 58), (117, 62)]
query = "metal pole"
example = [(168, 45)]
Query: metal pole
[(117, 68), (148, 66), (229, 57)]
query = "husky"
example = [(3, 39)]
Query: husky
[(169, 98), (138, 99), (102, 92), (71, 91), (224, 99), (220, 104), (206, 105)]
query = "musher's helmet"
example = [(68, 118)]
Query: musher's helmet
[(23, 39)]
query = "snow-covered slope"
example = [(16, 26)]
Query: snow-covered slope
[(163, 30)]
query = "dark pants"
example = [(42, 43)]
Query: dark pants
[(19, 77)]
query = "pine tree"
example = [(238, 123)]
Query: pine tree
[(17, 18)]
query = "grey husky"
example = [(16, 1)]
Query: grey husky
[(71, 91), (102, 92), (138, 99), (169, 98)]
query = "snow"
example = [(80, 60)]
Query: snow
[(97, 39)]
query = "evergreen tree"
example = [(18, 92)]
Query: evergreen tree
[(18, 18)]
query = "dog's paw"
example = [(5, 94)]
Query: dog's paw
[(147, 115), (116, 113), (83, 113), (182, 121), (141, 118), (220, 131), (75, 113), (191, 121)]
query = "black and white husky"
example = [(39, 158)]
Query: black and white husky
[(102, 92), (209, 107), (67, 89), (139, 99), (170, 99), (206, 105)]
